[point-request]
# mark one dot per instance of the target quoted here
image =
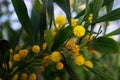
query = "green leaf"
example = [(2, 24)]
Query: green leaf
[(111, 16), (115, 32), (43, 24), (35, 17), (97, 4), (81, 13), (49, 38), (4, 52), (104, 45), (65, 5), (60, 38), (101, 73), (50, 10), (109, 6), (21, 11)]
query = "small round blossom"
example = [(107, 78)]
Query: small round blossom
[(16, 57), (56, 56), (15, 77), (46, 61), (79, 31), (73, 22), (44, 46), (41, 69), (23, 53), (108, 23), (57, 78), (88, 64), (36, 49), (89, 38), (90, 18), (33, 76), (79, 60), (75, 50), (70, 44), (60, 20), (11, 51), (59, 65), (10, 64), (24, 76)]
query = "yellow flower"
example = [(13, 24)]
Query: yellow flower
[(0, 78), (41, 69), (23, 53), (71, 2), (79, 60), (33, 76), (53, 32), (56, 56), (46, 60), (11, 51), (57, 78), (59, 66), (16, 57), (90, 18), (79, 31), (10, 64), (24, 76), (44, 46), (36, 49), (15, 77), (60, 20), (75, 50), (73, 22), (88, 64), (108, 23), (89, 38), (70, 44)]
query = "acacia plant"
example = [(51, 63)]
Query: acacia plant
[(62, 47)]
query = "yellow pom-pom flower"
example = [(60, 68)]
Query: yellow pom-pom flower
[(36, 49), (59, 65), (88, 64), (60, 20), (44, 46), (73, 22), (46, 60), (41, 69), (16, 57), (24, 76), (56, 56), (79, 31), (79, 60), (33, 76), (15, 77), (23, 53)]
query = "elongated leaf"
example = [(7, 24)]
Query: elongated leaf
[(50, 10), (104, 45), (81, 13), (97, 4), (43, 24), (49, 38), (109, 6), (61, 37), (23, 17), (4, 52), (111, 16), (115, 32), (101, 73), (35, 17), (65, 5)]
